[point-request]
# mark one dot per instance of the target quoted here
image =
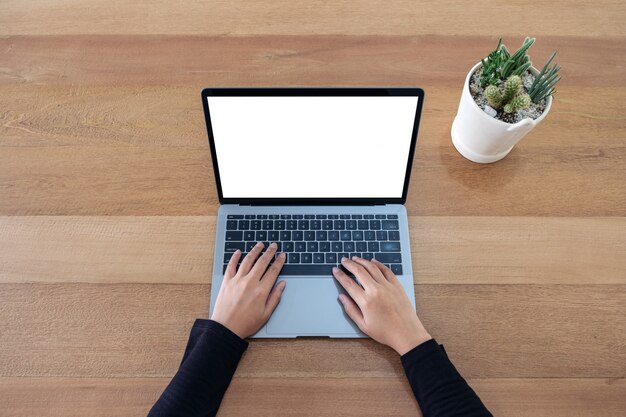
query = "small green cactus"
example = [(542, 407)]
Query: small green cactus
[(493, 96), (510, 99), (511, 87), (517, 103)]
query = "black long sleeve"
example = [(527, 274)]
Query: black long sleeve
[(213, 353), (438, 387), (211, 357)]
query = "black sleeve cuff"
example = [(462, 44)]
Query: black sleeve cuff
[(420, 352), (209, 363), (221, 333)]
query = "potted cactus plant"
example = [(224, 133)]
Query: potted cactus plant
[(504, 98)]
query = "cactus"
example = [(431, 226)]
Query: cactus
[(512, 87), (493, 96), (519, 102)]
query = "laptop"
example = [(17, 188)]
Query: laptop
[(324, 173)]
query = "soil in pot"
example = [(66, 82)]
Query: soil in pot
[(533, 111)]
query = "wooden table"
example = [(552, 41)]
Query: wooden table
[(108, 203)]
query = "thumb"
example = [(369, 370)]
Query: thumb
[(274, 298), (352, 310)]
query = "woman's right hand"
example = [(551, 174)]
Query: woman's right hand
[(379, 306), (248, 295)]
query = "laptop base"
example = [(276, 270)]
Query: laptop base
[(309, 304)]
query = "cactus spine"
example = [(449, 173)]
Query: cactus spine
[(510, 99)]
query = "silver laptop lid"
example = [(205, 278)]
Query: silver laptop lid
[(312, 145)]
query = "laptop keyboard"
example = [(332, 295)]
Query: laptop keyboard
[(314, 243)]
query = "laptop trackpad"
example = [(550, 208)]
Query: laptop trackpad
[(309, 307)]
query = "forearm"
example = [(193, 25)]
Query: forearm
[(210, 360), (438, 387)]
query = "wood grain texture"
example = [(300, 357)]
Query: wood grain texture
[(107, 249), (518, 250), (201, 61), (124, 397), (113, 124), (302, 17), (100, 116), (63, 154), (445, 250), (138, 330)]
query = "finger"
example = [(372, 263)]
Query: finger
[(352, 310), (358, 271), (274, 298), (376, 273), (349, 285), (269, 278), (250, 258), (231, 268), (388, 274), (261, 264)]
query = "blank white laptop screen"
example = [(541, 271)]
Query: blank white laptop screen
[(312, 147)]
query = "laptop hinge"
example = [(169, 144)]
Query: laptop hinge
[(311, 204)]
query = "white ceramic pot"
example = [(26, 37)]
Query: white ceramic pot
[(482, 138)]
